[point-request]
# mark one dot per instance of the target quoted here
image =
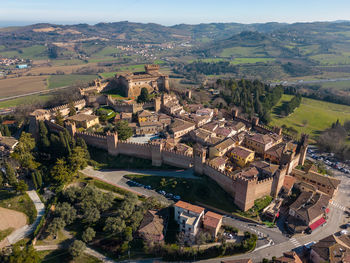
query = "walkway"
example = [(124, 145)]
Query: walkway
[(28, 229)]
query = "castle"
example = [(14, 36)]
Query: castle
[(240, 139), (151, 79)]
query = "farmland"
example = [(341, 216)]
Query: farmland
[(319, 115), (17, 86), (57, 81)]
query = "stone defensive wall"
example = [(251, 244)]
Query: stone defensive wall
[(54, 127), (134, 149), (224, 180), (95, 140), (177, 159), (263, 187), (64, 109)]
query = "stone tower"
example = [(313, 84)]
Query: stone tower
[(156, 152), (112, 143), (303, 148), (199, 154), (71, 127), (245, 192), (157, 104), (278, 180)]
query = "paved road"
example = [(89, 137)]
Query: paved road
[(28, 229)]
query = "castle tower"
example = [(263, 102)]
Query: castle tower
[(235, 113), (71, 127), (278, 180), (245, 192), (277, 130), (199, 154), (157, 103), (303, 148), (255, 121), (156, 152), (112, 143)]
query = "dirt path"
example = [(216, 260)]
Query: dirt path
[(11, 218)]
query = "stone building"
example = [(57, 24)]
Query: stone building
[(151, 79), (84, 120)]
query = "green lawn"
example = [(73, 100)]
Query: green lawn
[(341, 85), (21, 203), (139, 67), (332, 59), (59, 256), (107, 75), (57, 81), (4, 233), (27, 100), (318, 114), (242, 52), (106, 52), (203, 190), (237, 61)]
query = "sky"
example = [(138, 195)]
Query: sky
[(170, 12)]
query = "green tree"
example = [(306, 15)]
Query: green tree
[(34, 181), (26, 254), (91, 215), (144, 96), (56, 225), (59, 118), (44, 142), (6, 131), (78, 158), (128, 234), (114, 225), (38, 178), (23, 151), (60, 172), (88, 234), (10, 174), (66, 212), (1, 179), (123, 129), (77, 248), (72, 110), (21, 187)]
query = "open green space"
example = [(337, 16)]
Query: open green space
[(27, 100), (203, 190), (237, 61), (21, 203), (319, 115), (32, 52), (107, 75), (341, 85), (67, 62), (106, 52), (4, 233), (138, 67), (242, 52), (57, 81), (332, 59), (59, 256)]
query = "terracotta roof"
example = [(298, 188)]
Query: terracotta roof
[(218, 161), (288, 182), (82, 117), (241, 152), (249, 173), (9, 142), (225, 144), (8, 122), (190, 207), (152, 226), (328, 248), (126, 115), (288, 257), (145, 113), (211, 219)]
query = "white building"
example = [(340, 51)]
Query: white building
[(189, 217)]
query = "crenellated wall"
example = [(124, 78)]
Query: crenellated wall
[(222, 179), (177, 159), (263, 187), (98, 141), (135, 149)]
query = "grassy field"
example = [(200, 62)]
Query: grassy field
[(27, 100), (237, 61), (242, 52), (332, 59), (57, 81), (59, 256), (33, 52), (341, 85), (17, 86), (203, 190), (318, 114), (21, 203), (107, 75)]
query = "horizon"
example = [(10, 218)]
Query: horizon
[(24, 12)]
